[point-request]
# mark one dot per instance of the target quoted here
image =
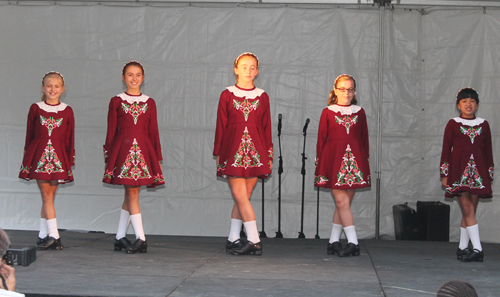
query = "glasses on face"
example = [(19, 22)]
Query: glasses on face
[(343, 90)]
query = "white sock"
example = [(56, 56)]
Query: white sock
[(464, 239), (336, 232), (123, 224), (136, 221), (252, 232), (350, 233), (44, 230), (234, 232), (474, 237), (52, 227)]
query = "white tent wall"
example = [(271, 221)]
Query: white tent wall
[(188, 52)]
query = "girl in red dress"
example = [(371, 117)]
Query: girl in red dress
[(49, 153), (244, 149), (467, 169), (132, 153), (342, 155)]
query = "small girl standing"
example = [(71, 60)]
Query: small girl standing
[(49, 153), (244, 149), (342, 155), (467, 169), (132, 153)]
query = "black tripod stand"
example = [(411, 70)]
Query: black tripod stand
[(262, 233), (303, 172), (280, 171)]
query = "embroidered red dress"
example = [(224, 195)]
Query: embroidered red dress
[(49, 150), (342, 150), (243, 137), (467, 157), (132, 149)]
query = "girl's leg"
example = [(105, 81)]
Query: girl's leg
[(132, 199), (236, 219), (242, 188), (468, 203), (48, 212), (343, 200)]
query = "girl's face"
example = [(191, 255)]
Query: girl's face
[(53, 88), (246, 71), (344, 91), (133, 78), (468, 107)]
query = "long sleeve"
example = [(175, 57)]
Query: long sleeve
[(322, 132), (154, 133), (222, 119), (364, 134), (70, 137), (446, 151), (112, 127), (488, 150), (266, 122), (30, 126)]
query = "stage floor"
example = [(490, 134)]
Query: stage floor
[(199, 266)]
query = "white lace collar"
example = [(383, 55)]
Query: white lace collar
[(344, 109), (471, 123), (248, 94), (52, 108), (132, 99)]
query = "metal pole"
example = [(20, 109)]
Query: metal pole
[(379, 115)]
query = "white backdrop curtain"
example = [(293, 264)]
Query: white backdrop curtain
[(188, 52)]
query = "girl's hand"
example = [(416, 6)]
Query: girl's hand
[(9, 275), (160, 166), (271, 165), (444, 182), (217, 161)]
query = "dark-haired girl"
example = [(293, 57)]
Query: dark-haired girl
[(132, 153), (467, 169)]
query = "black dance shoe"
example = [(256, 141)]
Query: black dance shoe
[(41, 241), (350, 249), (248, 248), (139, 245), (237, 244), (51, 243), (461, 253), (334, 248), (474, 255), (122, 243)]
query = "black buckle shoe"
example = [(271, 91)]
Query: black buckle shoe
[(350, 249), (334, 248), (474, 255), (249, 248), (139, 245), (41, 241), (237, 244), (461, 253), (51, 243), (122, 243)]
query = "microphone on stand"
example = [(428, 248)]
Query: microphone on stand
[(279, 124), (305, 126), (303, 172)]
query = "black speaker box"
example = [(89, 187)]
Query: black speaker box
[(406, 225), (434, 220)]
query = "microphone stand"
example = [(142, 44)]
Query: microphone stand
[(280, 171), (317, 214), (303, 172), (262, 233)]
